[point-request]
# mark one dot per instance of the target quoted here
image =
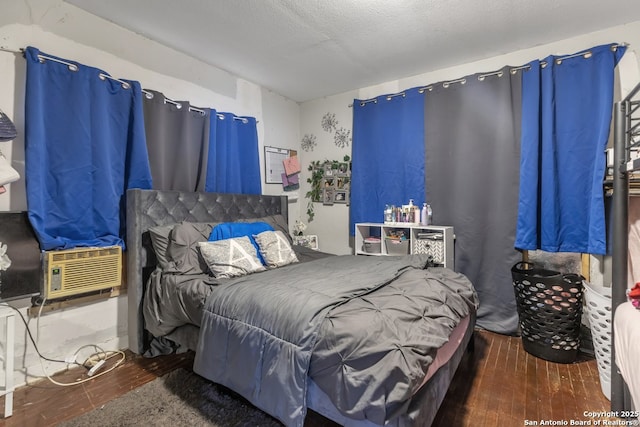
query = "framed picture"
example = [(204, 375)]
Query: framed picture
[(327, 195), (328, 171), (340, 196), (343, 168), (309, 241), (329, 182)]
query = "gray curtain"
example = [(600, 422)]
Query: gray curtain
[(472, 149), (177, 142)]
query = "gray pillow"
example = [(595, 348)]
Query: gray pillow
[(275, 248), (179, 253), (231, 257), (160, 241), (183, 253)]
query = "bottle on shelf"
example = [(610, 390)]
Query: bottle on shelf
[(429, 215), (388, 213), (423, 214), (410, 211)]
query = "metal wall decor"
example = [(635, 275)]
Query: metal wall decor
[(329, 122), (308, 142), (342, 137)]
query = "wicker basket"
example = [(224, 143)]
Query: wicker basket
[(549, 307)]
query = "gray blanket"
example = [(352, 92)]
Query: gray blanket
[(173, 300), (365, 328)]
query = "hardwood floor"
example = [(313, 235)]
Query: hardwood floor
[(498, 384), (502, 385)]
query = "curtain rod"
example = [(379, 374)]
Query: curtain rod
[(70, 65), (9, 50), (585, 54), (178, 105), (125, 85)]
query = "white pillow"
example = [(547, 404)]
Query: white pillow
[(231, 257), (275, 248)]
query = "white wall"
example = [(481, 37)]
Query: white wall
[(331, 222), (62, 30), (281, 118)]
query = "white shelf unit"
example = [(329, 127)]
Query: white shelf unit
[(436, 240)]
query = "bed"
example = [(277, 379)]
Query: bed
[(287, 338)]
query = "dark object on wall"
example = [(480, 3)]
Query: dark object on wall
[(7, 129), (549, 307), (19, 248)]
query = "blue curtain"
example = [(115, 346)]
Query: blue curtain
[(566, 115), (388, 155), (84, 147), (233, 164)]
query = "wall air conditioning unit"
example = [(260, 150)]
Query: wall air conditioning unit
[(81, 270)]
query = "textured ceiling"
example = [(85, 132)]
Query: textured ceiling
[(307, 49)]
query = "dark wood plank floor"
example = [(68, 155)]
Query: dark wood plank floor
[(499, 384)]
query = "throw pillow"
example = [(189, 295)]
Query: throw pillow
[(275, 248), (230, 257)]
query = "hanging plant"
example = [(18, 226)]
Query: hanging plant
[(315, 192)]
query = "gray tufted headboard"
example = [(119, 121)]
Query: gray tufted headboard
[(150, 208)]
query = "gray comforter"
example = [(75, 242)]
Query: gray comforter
[(364, 328), (174, 300)]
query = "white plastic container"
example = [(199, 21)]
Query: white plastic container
[(598, 310), (424, 215)]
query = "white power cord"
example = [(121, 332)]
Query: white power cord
[(95, 367), (93, 363)]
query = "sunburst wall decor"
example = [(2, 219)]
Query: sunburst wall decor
[(308, 142)]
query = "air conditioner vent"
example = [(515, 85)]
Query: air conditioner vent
[(78, 271)]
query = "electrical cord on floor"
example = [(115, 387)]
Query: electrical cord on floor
[(95, 367), (93, 363)]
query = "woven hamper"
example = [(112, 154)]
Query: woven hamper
[(549, 307)]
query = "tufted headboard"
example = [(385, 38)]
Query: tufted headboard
[(150, 208)]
